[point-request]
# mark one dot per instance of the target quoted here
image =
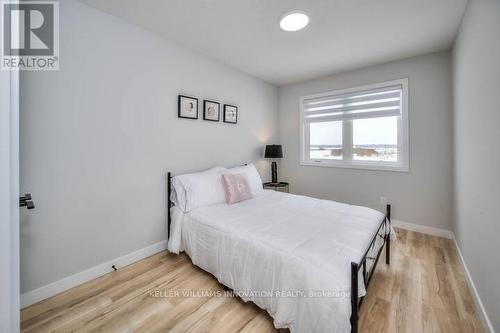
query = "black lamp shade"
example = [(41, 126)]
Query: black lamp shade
[(273, 151)]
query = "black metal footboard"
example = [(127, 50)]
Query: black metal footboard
[(356, 266)]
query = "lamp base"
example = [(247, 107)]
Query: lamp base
[(274, 172)]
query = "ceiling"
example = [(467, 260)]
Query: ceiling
[(341, 35)]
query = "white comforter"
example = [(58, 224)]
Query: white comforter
[(277, 248)]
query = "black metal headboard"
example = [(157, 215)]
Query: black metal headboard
[(170, 203)]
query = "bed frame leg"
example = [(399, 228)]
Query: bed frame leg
[(169, 190), (388, 250), (388, 238), (354, 297)]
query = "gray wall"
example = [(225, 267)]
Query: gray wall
[(422, 196), (476, 71), (98, 136)]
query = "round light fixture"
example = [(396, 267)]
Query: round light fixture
[(294, 21)]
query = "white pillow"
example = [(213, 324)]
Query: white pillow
[(252, 175), (198, 189)]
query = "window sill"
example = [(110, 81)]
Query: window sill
[(360, 166)]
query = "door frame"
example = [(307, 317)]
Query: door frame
[(9, 202)]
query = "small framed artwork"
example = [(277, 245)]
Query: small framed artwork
[(211, 110), (188, 107), (230, 114)]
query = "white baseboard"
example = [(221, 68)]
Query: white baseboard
[(477, 300), (422, 229), (37, 295)]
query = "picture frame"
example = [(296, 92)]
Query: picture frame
[(230, 114), (211, 110), (187, 107)]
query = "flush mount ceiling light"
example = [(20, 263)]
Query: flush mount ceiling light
[(294, 21)]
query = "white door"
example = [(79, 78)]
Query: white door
[(9, 201)]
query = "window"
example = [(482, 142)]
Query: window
[(364, 127)]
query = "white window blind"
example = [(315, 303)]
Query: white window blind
[(373, 103), (362, 127)]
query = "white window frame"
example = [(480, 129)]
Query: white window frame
[(403, 163)]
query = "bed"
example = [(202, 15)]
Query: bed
[(306, 261)]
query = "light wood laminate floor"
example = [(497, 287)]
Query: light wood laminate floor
[(423, 290)]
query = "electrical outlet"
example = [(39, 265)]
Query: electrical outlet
[(383, 201)]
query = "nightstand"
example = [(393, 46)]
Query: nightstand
[(280, 186)]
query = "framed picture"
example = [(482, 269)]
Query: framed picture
[(211, 110), (230, 114), (188, 107)]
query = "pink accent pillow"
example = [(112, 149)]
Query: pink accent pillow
[(236, 188)]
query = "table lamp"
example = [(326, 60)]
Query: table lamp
[(274, 151)]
